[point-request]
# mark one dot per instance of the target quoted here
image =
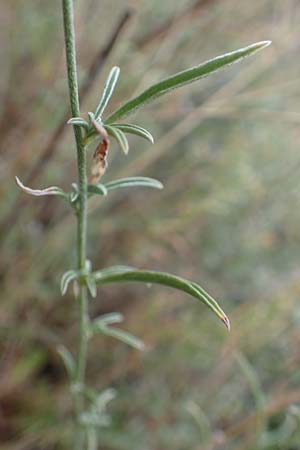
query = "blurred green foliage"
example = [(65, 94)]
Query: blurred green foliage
[(226, 150)]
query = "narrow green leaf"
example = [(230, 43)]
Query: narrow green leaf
[(119, 136), (91, 118), (79, 121), (113, 270), (103, 398), (74, 194), (183, 78), (134, 182), (52, 190), (101, 325), (108, 319), (213, 304), (134, 129), (68, 360), (166, 279), (99, 189), (108, 91), (91, 285), (123, 336), (67, 277)]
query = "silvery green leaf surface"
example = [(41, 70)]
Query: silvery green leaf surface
[(109, 87), (91, 118), (67, 277), (101, 325), (113, 270), (68, 360), (133, 182), (103, 398), (110, 318), (165, 279), (134, 129), (52, 190), (183, 78), (79, 121), (123, 336), (119, 136), (91, 285), (74, 194), (99, 189)]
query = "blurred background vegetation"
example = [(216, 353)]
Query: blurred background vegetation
[(227, 152)]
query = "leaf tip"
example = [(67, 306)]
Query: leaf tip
[(264, 44), (226, 321), (116, 69), (141, 346)]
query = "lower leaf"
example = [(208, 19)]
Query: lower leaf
[(114, 276)]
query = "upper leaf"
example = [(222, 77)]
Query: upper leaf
[(108, 91), (133, 182), (183, 78), (134, 129), (119, 136), (111, 276)]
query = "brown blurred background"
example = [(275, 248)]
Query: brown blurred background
[(227, 151)]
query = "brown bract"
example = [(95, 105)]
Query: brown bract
[(99, 163)]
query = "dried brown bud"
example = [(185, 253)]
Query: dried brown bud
[(99, 163)]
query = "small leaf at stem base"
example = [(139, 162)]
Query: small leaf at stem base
[(52, 190)]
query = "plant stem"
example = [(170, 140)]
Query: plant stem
[(68, 15)]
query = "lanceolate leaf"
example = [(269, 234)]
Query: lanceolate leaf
[(212, 302), (104, 398), (74, 194), (79, 122), (101, 325), (113, 270), (52, 190), (67, 277), (134, 182), (108, 91), (120, 138), (166, 279), (123, 336), (183, 78), (110, 318), (91, 285), (99, 189), (68, 360), (134, 129)]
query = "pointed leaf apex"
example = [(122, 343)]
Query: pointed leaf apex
[(263, 44), (226, 322), (184, 78), (52, 190), (109, 88)]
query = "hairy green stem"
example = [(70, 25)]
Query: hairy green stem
[(68, 15)]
